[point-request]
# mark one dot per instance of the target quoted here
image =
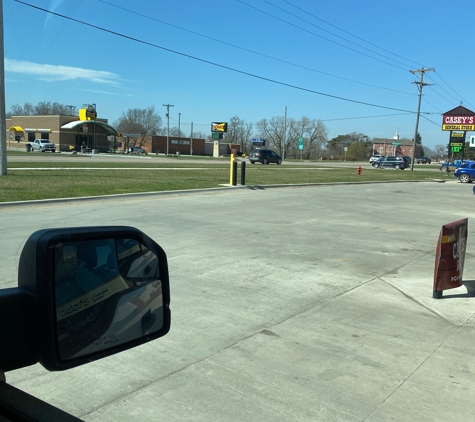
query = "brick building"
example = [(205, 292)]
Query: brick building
[(70, 133), (395, 146), (183, 146), (67, 132)]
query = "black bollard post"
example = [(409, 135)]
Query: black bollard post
[(243, 174), (234, 173)]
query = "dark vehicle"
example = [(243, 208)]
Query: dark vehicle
[(407, 158), (264, 156), (465, 172), (137, 151), (424, 160), (397, 163)]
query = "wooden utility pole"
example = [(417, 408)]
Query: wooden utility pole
[(420, 85)]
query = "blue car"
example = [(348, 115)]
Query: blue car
[(452, 166), (465, 172)]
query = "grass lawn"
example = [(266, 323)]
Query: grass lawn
[(46, 180)]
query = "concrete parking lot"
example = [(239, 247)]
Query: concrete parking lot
[(302, 304)]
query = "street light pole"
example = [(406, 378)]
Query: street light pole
[(3, 123), (95, 117), (179, 132), (285, 132), (168, 124)]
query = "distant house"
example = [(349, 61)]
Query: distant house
[(395, 146)]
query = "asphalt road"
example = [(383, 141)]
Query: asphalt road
[(288, 304), (119, 158)]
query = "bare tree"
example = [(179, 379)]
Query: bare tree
[(239, 132), (43, 108), (140, 121), (178, 133), (440, 151), (273, 132), (314, 134), (284, 136), (199, 135)]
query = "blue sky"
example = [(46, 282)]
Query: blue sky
[(248, 58)]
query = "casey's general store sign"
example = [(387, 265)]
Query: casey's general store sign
[(465, 123)]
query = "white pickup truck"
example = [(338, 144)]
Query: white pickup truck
[(42, 145)]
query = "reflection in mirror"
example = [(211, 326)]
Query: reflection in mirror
[(108, 292)]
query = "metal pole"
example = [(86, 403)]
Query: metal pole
[(191, 139), (234, 181), (168, 124), (95, 117), (3, 123), (285, 133), (243, 173), (179, 132)]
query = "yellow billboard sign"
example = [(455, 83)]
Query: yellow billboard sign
[(459, 127)]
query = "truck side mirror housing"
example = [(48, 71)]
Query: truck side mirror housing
[(92, 292)]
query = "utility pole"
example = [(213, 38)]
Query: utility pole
[(191, 139), (168, 123), (179, 132), (3, 123), (420, 85), (285, 132)]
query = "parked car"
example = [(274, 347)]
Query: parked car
[(452, 165), (397, 163), (264, 156), (136, 150), (424, 160), (42, 145), (465, 172), (407, 158), (373, 158)]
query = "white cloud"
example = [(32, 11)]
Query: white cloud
[(50, 73), (96, 91)]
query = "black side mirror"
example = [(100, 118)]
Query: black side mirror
[(90, 292)]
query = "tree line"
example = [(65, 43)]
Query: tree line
[(280, 134)]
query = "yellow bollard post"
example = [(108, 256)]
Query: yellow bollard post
[(231, 170)]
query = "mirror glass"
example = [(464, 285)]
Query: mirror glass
[(107, 292)]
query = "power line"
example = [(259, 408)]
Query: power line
[(458, 98), (329, 32), (209, 62), (248, 50), (319, 36), (349, 33), (429, 120), (366, 117)]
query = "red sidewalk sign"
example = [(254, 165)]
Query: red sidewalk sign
[(450, 257)]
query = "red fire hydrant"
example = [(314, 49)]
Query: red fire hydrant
[(358, 171)]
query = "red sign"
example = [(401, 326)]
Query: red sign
[(450, 257), (458, 120)]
